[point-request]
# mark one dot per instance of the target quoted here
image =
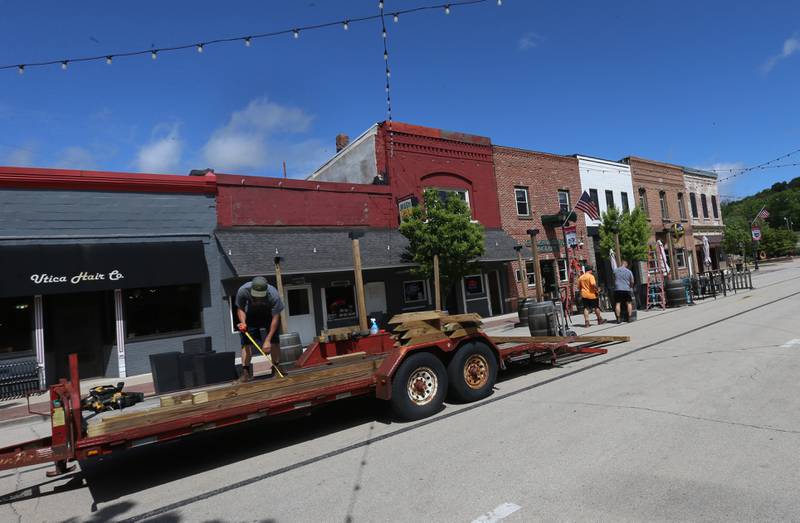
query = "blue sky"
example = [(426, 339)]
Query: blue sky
[(704, 84)]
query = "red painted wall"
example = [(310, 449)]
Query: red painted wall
[(415, 157), (258, 201)]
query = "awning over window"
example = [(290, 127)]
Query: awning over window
[(27, 270), (251, 251)]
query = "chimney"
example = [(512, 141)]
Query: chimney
[(341, 141), (200, 172)]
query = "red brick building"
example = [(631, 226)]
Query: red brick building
[(661, 192), (536, 191)]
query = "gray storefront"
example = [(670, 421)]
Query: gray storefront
[(112, 275)]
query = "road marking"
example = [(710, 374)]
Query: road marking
[(790, 343), (499, 513)]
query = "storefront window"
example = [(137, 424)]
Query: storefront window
[(473, 284), (162, 311), (562, 270), (16, 327), (414, 291), (531, 273), (340, 304), (680, 258)]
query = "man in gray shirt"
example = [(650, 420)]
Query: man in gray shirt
[(258, 306), (623, 287)]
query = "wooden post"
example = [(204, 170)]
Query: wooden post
[(673, 270), (537, 270), (617, 254), (436, 283), (279, 286), (360, 298), (523, 274)]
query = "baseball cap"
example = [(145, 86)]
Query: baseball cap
[(587, 268), (259, 287)]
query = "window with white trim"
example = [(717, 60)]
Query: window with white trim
[(680, 258), (414, 291), (562, 270), (563, 202), (521, 198), (531, 273)]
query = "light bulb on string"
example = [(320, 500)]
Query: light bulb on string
[(21, 69), (346, 25), (385, 55), (396, 18), (64, 65), (447, 9), (200, 48), (153, 54), (380, 5), (109, 59), (384, 33), (499, 3), (388, 73), (296, 33), (247, 41)]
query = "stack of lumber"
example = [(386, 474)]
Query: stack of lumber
[(181, 405), (429, 326)]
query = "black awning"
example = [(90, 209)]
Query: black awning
[(27, 270)]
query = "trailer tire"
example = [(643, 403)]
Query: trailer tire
[(472, 372), (419, 387)]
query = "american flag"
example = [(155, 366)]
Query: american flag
[(763, 214), (586, 205)]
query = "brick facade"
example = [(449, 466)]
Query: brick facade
[(543, 175), (654, 178)]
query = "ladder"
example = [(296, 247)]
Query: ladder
[(655, 280)]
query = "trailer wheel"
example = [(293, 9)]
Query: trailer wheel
[(472, 372), (419, 387)]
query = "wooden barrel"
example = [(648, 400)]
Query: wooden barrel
[(542, 318), (676, 293), (522, 309), (291, 348)]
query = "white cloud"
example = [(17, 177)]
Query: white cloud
[(790, 47), (76, 158), (529, 41), (163, 153), (20, 157), (248, 142), (725, 175)]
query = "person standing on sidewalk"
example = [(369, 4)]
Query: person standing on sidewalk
[(623, 288), (258, 306), (587, 285)]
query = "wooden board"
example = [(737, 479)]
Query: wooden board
[(471, 317), (416, 316), (558, 339), (450, 327), (426, 338), (406, 326), (414, 333), (467, 331), (238, 394)]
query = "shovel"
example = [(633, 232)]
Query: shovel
[(275, 367)]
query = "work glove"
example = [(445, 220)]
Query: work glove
[(242, 327)]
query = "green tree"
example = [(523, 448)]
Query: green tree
[(634, 234), (777, 242), (736, 236), (444, 228)]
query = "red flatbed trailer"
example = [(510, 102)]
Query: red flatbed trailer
[(413, 378)]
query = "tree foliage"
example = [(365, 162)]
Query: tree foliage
[(634, 234), (737, 235), (444, 228), (777, 242)]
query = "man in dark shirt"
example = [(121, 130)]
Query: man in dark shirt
[(258, 306), (623, 288)]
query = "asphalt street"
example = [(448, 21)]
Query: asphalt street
[(696, 419)]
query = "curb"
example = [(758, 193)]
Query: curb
[(21, 420)]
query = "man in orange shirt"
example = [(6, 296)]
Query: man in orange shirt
[(588, 287)]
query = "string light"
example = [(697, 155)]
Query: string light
[(248, 38), (499, 3), (385, 56), (64, 65), (154, 54), (21, 69), (383, 33)]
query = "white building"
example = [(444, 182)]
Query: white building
[(706, 214), (609, 185)]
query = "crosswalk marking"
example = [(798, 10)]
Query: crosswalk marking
[(499, 513), (791, 343)]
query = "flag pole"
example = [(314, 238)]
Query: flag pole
[(757, 215)]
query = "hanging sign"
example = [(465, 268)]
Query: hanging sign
[(571, 235), (756, 231)]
